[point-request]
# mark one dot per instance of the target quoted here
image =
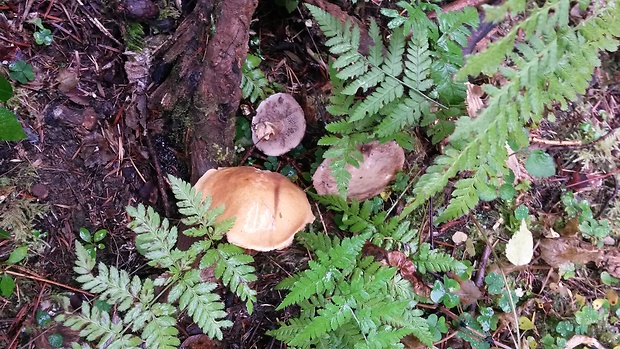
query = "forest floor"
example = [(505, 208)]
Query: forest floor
[(87, 157)]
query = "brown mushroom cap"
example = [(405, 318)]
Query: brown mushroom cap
[(279, 124), (379, 167), (269, 209)]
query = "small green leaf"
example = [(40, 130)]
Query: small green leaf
[(507, 191), (586, 316), (99, 235), (521, 212), (85, 235), (102, 305), (7, 285), (21, 71), (42, 318), (494, 282), (10, 128), (251, 62), (4, 234), (43, 37), (438, 291), (540, 164), (55, 340), (607, 279), (6, 90), (18, 255), (92, 250)]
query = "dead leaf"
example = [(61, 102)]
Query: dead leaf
[(469, 293), (67, 80), (459, 237), (556, 252), (578, 340), (517, 167), (611, 296), (399, 260), (200, 341), (473, 100), (408, 271), (520, 247), (610, 260)]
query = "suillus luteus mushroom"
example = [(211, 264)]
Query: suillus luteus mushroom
[(268, 208)]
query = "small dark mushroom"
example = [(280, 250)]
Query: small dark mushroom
[(379, 167), (279, 124)]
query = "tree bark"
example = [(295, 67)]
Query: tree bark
[(208, 51)]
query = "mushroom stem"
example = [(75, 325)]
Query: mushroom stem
[(265, 130)]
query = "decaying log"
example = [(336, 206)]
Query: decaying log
[(207, 51)]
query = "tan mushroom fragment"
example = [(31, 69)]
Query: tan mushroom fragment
[(380, 165), (269, 209), (279, 124)]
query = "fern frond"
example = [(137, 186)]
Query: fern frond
[(203, 306), (84, 264), (384, 337), (232, 266), (454, 27), (389, 90), (287, 331), (555, 63), (334, 314), (112, 284), (155, 237), (427, 260), (419, 327), (343, 151), (95, 325), (254, 84), (418, 63), (161, 331), (322, 276), (197, 211), (317, 279)]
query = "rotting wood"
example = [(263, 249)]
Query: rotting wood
[(208, 51)]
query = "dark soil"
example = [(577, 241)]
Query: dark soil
[(94, 147)]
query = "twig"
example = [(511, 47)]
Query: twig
[(98, 24), (574, 144), (483, 263), (609, 198), (591, 179), (517, 339), (38, 278), (162, 184)]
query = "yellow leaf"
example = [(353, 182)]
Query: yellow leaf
[(598, 303), (520, 247), (525, 323), (611, 296)]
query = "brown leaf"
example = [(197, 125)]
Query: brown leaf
[(399, 260), (610, 260), (200, 341), (408, 271), (469, 292), (567, 250), (67, 80), (578, 340), (474, 101)]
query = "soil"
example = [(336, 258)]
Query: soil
[(98, 141)]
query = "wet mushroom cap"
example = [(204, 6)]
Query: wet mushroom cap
[(380, 164), (279, 124), (269, 209)]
